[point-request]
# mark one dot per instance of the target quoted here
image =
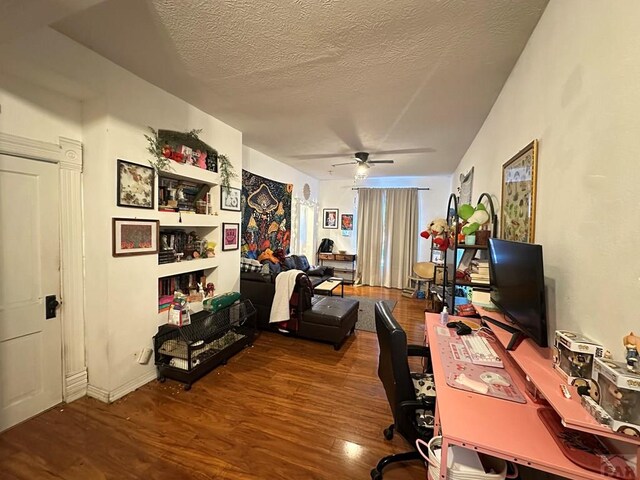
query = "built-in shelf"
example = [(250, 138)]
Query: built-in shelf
[(182, 171), (176, 268), (172, 219)]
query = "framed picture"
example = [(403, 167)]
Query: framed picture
[(230, 199), (330, 218), (135, 185), (230, 236), (518, 211), (134, 237), (466, 187), (346, 221)]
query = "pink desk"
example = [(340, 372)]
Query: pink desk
[(504, 429)]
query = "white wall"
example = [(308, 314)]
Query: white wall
[(340, 194), (576, 87), (110, 115)]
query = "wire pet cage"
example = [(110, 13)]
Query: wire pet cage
[(187, 353)]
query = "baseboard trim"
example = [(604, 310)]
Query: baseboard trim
[(132, 385), (75, 386), (98, 393), (109, 397)]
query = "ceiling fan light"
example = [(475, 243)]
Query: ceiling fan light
[(362, 169)]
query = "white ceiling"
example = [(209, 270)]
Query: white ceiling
[(310, 83)]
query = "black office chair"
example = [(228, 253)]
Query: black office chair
[(411, 396)]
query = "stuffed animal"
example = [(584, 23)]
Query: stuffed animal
[(439, 229), (474, 217)]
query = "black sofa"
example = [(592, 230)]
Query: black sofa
[(329, 319)]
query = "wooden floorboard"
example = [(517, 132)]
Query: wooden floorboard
[(287, 408)]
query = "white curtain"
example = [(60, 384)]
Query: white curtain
[(387, 236)]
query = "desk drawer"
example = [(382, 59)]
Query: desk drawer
[(338, 257), (325, 256)]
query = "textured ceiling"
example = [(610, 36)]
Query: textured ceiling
[(309, 83)]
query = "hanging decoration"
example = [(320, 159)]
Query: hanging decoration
[(266, 215)]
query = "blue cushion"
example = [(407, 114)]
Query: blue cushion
[(301, 262)]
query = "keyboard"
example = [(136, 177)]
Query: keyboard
[(481, 352)]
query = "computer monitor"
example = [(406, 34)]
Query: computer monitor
[(517, 287)]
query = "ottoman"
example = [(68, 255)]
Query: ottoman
[(330, 319)]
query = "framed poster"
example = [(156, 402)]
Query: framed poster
[(346, 221), (330, 218), (230, 236), (230, 199), (134, 237), (135, 185), (466, 187), (518, 209)]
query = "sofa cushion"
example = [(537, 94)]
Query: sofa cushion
[(249, 265), (317, 271), (301, 262), (289, 263), (274, 268)]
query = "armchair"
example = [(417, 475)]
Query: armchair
[(411, 396)]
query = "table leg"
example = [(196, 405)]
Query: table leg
[(436, 422), (443, 459), (342, 289)]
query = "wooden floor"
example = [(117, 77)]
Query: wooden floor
[(286, 408)]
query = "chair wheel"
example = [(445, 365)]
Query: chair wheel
[(162, 379), (388, 433), (376, 475), (187, 387)]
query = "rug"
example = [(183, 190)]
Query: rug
[(366, 313)]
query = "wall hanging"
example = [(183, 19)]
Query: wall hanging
[(132, 236), (135, 185)]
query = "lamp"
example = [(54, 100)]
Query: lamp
[(362, 171)]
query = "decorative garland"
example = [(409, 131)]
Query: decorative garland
[(162, 142)]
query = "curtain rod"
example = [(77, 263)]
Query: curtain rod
[(391, 188)]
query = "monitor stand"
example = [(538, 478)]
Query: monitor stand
[(516, 335)]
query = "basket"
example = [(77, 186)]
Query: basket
[(497, 464)]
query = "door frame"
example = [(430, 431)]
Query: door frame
[(67, 154)]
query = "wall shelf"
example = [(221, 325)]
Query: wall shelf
[(177, 268), (171, 219), (182, 171)]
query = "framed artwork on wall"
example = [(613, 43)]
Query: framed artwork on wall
[(135, 185), (330, 218), (346, 221), (132, 236), (230, 236), (230, 199), (518, 209), (465, 189)]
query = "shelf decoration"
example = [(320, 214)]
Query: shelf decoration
[(166, 146)]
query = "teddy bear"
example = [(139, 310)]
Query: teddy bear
[(439, 229)]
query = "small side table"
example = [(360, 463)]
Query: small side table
[(328, 286)]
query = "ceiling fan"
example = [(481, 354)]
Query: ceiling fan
[(362, 159)]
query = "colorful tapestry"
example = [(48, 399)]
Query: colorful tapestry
[(266, 215)]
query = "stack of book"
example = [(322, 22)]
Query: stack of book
[(164, 303), (480, 272)]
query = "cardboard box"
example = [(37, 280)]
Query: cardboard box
[(573, 355), (617, 390)]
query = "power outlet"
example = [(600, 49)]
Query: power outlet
[(144, 356)]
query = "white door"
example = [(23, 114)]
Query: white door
[(30, 345)]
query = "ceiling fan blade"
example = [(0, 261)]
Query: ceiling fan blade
[(345, 163), (405, 150), (380, 161)]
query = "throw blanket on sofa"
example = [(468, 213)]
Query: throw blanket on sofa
[(285, 283)]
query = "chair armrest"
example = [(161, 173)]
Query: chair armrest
[(418, 351)]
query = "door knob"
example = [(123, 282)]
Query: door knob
[(50, 304)]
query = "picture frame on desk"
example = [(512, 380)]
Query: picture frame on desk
[(518, 205), (132, 236)]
